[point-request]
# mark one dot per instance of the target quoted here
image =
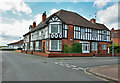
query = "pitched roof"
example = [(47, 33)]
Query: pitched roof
[(71, 18), (18, 42)]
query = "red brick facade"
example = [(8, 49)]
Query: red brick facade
[(115, 35)]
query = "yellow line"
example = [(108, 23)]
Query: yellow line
[(93, 75)]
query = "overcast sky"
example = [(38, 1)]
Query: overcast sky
[(17, 15)]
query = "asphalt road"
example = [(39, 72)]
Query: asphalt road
[(25, 67)]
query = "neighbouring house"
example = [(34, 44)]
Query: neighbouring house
[(66, 27), (16, 45), (115, 36)]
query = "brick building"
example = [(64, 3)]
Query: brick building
[(66, 27), (115, 36)]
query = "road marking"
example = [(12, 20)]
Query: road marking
[(81, 68), (73, 66), (56, 62), (68, 66), (61, 64)]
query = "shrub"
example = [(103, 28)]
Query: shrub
[(116, 48), (66, 48), (76, 48)]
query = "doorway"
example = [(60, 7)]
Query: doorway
[(43, 47)]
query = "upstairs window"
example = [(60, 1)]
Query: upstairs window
[(65, 28), (94, 34), (104, 35), (76, 32), (56, 28), (39, 33), (83, 33)]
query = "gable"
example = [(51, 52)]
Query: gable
[(55, 19)]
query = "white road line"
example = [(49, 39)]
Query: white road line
[(81, 68), (68, 66), (61, 64), (73, 66), (56, 62)]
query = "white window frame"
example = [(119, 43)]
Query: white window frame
[(94, 46), (59, 42)]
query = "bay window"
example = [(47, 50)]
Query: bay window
[(55, 45), (56, 28)]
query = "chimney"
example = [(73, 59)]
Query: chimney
[(93, 20), (34, 25), (44, 16)]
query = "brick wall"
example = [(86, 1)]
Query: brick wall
[(18, 51), (70, 34), (71, 54)]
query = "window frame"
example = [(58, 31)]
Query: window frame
[(59, 42)]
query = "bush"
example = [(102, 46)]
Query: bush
[(76, 48), (116, 48), (66, 49)]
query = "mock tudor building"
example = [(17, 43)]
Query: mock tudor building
[(66, 27)]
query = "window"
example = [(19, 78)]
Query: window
[(94, 34), (83, 33), (31, 45), (104, 35), (47, 45), (40, 45), (56, 28), (65, 28), (39, 33), (60, 28), (104, 46), (76, 32), (37, 45), (55, 45), (26, 46), (94, 45)]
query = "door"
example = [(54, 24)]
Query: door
[(43, 47), (85, 48)]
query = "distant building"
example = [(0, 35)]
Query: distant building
[(16, 45), (115, 36), (66, 27)]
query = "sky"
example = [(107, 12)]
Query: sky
[(17, 15)]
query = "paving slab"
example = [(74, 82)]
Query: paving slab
[(110, 72)]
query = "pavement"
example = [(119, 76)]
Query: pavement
[(109, 72), (26, 67)]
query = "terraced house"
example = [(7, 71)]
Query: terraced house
[(66, 27)]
